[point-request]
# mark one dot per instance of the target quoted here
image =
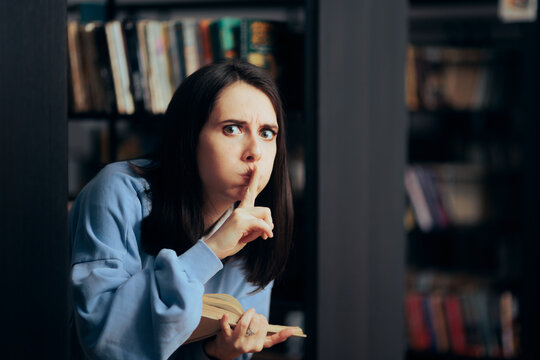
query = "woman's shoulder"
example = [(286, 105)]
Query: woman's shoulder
[(119, 177), (118, 185), (105, 219)]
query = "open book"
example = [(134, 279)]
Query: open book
[(214, 306)]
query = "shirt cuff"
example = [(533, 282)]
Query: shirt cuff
[(201, 261)]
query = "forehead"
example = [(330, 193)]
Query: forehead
[(241, 101)]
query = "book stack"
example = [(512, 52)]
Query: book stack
[(446, 194), (453, 78), (134, 66), (459, 315)]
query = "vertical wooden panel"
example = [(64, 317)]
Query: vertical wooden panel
[(362, 122), (529, 115), (33, 181)]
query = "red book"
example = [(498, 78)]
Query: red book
[(419, 336), (456, 328)]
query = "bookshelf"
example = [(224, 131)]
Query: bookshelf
[(353, 116), (468, 152), (329, 254), (109, 136)]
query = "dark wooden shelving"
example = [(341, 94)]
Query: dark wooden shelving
[(494, 136), (431, 355)]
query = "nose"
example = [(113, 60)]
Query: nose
[(252, 151)]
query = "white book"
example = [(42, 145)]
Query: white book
[(117, 51)]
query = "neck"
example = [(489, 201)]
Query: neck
[(213, 210)]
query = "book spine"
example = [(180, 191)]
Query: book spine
[(439, 323), (191, 46), (205, 41), (173, 55), (80, 96), (227, 35), (167, 79), (430, 322), (123, 67), (115, 66), (418, 331), (472, 328), (105, 69), (454, 318), (144, 61), (132, 50), (508, 316), (155, 89), (90, 67), (418, 200)]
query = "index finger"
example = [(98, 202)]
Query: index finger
[(251, 190), (277, 338)]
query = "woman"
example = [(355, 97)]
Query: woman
[(151, 236)]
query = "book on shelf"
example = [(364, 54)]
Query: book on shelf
[(144, 63), (454, 78), (225, 37), (176, 52), (119, 65), (91, 67), (434, 304), (80, 96), (135, 65), (446, 194), (456, 328), (205, 41), (104, 64), (215, 306), (460, 315), (419, 334), (418, 200), (192, 49), (161, 88), (259, 44)]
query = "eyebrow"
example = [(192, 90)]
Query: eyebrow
[(273, 127)]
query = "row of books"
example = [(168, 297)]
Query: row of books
[(446, 194), (467, 320), (133, 65), (460, 79)]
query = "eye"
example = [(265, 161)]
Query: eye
[(268, 134), (231, 129)]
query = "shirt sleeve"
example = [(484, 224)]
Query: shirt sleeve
[(128, 306)]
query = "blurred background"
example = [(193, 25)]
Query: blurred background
[(412, 139)]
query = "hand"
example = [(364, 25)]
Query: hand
[(229, 343), (245, 224)]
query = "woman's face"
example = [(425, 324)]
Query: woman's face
[(240, 133)]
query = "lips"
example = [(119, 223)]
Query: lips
[(247, 175)]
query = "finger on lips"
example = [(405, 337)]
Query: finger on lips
[(251, 190)]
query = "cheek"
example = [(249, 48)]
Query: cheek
[(267, 168)]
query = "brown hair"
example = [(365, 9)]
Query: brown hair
[(176, 219)]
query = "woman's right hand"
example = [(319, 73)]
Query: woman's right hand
[(246, 223), (230, 343)]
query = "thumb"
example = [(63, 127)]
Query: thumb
[(225, 327)]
